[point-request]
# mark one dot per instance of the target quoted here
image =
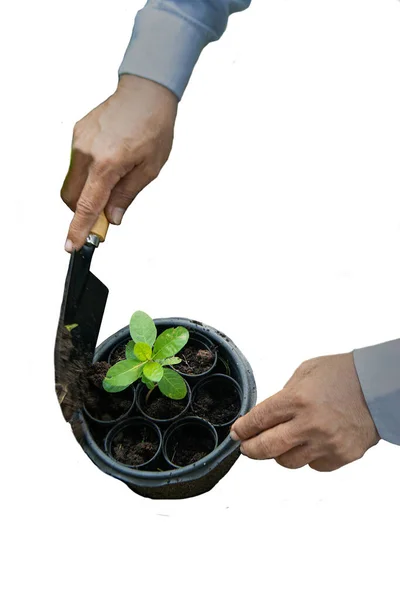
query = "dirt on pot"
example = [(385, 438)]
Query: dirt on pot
[(71, 368), (188, 445), (135, 446), (218, 403), (194, 360)]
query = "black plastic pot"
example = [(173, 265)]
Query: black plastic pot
[(221, 366), (135, 425), (107, 424), (198, 430), (142, 393), (110, 357), (193, 479), (217, 386), (199, 341)]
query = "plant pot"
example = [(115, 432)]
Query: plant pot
[(218, 399), (173, 482), (117, 351), (199, 358), (163, 411), (188, 441), (221, 366), (116, 403), (134, 443)]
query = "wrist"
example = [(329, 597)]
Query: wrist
[(132, 84)]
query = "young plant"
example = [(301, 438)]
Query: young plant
[(148, 357)]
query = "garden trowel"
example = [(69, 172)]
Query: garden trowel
[(82, 310)]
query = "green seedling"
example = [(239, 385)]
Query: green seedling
[(148, 358)]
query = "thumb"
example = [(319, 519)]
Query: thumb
[(269, 413), (93, 199)]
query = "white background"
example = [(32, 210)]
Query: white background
[(282, 191)]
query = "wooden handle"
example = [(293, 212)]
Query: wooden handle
[(100, 228)]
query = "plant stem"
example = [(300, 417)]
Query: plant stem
[(148, 394)]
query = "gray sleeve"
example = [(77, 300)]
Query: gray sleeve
[(169, 35), (378, 369)]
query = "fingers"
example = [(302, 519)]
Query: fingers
[(271, 443), (91, 202), (297, 457), (326, 465), (89, 191), (333, 461), (273, 411), (126, 191), (76, 178)]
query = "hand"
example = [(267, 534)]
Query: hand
[(320, 418), (117, 149)]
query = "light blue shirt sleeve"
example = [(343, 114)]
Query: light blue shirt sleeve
[(169, 35), (378, 369)]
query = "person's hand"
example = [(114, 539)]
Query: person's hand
[(117, 149), (320, 418)]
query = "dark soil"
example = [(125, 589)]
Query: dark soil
[(158, 406), (108, 407), (71, 368), (217, 402), (118, 354), (135, 445), (97, 372), (101, 405), (195, 360), (188, 445)]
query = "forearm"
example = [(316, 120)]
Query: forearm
[(378, 369), (169, 36)]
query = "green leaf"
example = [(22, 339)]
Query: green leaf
[(142, 351), (142, 328), (129, 350), (170, 361), (173, 385), (153, 371), (147, 382), (71, 327), (113, 389), (122, 375), (170, 342)]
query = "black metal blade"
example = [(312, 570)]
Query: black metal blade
[(88, 314), (85, 300)]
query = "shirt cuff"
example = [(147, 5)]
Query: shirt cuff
[(378, 369), (164, 47)]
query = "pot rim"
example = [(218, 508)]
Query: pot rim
[(205, 381), (132, 390), (178, 424), (126, 424), (188, 399), (202, 339)]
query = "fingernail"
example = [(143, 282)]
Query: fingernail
[(116, 215), (69, 246), (234, 436)]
